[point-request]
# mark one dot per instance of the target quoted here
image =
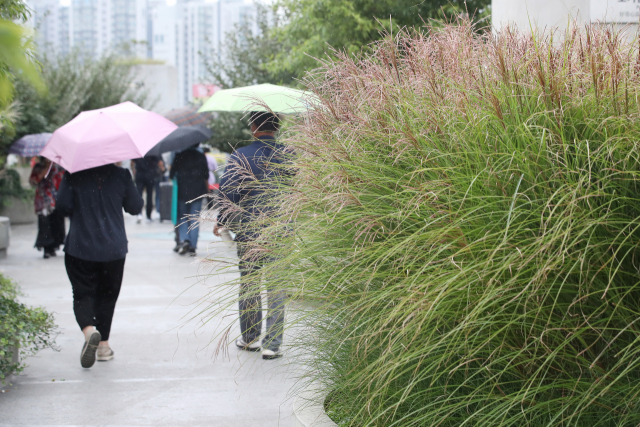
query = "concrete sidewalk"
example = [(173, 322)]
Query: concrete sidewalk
[(163, 374)]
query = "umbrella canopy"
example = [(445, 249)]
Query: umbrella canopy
[(188, 116), (181, 138), (108, 135), (279, 99), (30, 145)]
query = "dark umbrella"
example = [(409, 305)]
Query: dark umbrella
[(188, 116), (30, 145), (181, 138)]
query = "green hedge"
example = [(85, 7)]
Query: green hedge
[(26, 328)]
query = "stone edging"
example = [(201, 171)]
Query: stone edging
[(5, 232), (308, 409)]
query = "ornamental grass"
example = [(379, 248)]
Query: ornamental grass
[(463, 230)]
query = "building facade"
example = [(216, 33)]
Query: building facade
[(175, 35)]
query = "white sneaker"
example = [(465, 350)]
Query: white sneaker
[(271, 354), (104, 353), (139, 219), (148, 220), (242, 345)]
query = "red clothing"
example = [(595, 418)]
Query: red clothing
[(46, 188)]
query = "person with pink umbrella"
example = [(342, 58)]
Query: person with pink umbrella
[(93, 193)]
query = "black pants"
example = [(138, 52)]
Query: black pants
[(146, 183), (50, 231), (96, 286)]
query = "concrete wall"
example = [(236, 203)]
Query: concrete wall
[(549, 14), (161, 80)]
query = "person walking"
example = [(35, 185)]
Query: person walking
[(260, 159), (212, 164), (192, 173), (96, 248), (45, 178), (145, 171)]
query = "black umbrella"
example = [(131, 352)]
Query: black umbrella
[(181, 138)]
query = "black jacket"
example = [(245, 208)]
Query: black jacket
[(94, 199), (192, 171)]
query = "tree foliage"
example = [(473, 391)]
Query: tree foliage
[(241, 61), (315, 27), (74, 83)]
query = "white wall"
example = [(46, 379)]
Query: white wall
[(538, 13), (559, 13)]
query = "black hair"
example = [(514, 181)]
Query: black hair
[(265, 122), (206, 150)]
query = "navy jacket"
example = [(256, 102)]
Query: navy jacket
[(264, 158), (94, 199)]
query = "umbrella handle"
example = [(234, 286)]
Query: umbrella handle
[(50, 165)]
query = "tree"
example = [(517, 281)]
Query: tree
[(74, 83), (242, 61), (16, 59), (314, 27)]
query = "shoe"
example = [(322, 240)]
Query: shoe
[(271, 354), (148, 220), (177, 247), (192, 251), (104, 353), (242, 345), (139, 219), (46, 255), (53, 253), (88, 355), (184, 247)]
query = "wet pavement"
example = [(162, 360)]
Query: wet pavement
[(168, 370)]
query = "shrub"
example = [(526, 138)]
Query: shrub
[(10, 187), (25, 328), (466, 221)]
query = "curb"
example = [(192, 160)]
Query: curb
[(308, 408)]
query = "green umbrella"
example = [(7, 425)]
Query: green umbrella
[(279, 99)]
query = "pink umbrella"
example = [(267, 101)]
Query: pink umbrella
[(108, 135)]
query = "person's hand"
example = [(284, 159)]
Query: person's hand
[(217, 230)]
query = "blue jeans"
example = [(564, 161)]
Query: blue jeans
[(188, 215)]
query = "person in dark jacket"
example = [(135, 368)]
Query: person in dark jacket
[(261, 159), (96, 248), (146, 172), (191, 170)]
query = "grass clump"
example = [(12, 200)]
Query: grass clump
[(466, 218)]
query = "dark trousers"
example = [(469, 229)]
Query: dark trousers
[(250, 304), (51, 231), (96, 286), (146, 183)]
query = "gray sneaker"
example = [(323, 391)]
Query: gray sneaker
[(88, 354), (104, 353)]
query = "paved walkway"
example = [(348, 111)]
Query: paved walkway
[(162, 375)]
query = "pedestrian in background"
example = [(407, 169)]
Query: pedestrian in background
[(96, 248), (213, 166), (145, 171), (45, 178), (191, 171), (260, 159)]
